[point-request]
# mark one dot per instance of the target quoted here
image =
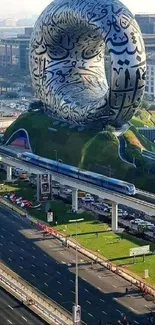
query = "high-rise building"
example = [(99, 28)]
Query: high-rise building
[(146, 23), (150, 76)]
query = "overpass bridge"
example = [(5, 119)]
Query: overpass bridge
[(113, 197), (149, 133)]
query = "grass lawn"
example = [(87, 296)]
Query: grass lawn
[(107, 242)]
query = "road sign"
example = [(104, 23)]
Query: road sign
[(76, 314), (142, 250)]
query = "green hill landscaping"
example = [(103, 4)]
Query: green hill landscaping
[(88, 149)]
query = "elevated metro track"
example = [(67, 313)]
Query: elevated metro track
[(136, 202)]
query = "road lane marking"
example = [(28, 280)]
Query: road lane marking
[(9, 321), (12, 235), (33, 256), (88, 302), (102, 300), (90, 315), (22, 249), (33, 265), (34, 248), (59, 293), (71, 281), (45, 284), (58, 272), (9, 259), (73, 291), (86, 290), (10, 307), (3, 229), (99, 277), (119, 311), (74, 261), (45, 264), (45, 255), (21, 257), (61, 253), (104, 312), (59, 282), (23, 241), (1, 244), (11, 242), (136, 322), (2, 236), (114, 286), (21, 267), (45, 273), (24, 318), (33, 275)]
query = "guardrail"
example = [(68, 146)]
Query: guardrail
[(38, 302)]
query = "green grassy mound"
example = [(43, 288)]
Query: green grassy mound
[(88, 149)]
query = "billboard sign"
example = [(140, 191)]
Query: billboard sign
[(44, 187), (50, 217), (139, 250), (76, 314)]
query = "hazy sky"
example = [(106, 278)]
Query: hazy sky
[(16, 8)]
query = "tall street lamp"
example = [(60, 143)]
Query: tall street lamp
[(76, 308)]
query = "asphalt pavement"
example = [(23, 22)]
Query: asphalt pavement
[(12, 312), (51, 268)]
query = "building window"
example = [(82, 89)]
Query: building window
[(146, 88), (152, 73), (152, 90)]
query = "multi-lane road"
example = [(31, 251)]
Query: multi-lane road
[(50, 267), (12, 312)]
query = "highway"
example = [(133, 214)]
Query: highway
[(50, 267), (12, 312)]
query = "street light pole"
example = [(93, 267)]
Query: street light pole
[(76, 268), (56, 154)]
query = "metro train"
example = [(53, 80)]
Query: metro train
[(74, 172)]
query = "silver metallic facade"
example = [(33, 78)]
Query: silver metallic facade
[(67, 61)]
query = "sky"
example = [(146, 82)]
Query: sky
[(22, 8)]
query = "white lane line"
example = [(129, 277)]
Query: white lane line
[(22, 249), (88, 302), (102, 300), (33, 256), (59, 293), (86, 290), (71, 281), (33, 265), (90, 315), (34, 248), (45, 255), (74, 261), (45, 264), (23, 241), (12, 235), (10, 307), (114, 286), (21, 257), (10, 251), (33, 275), (99, 277), (3, 229), (2, 236), (61, 253), (45, 284), (104, 312), (45, 273), (1, 244), (59, 282), (24, 318), (136, 322), (73, 291), (11, 242), (119, 311), (58, 272), (9, 321), (9, 259), (21, 267)]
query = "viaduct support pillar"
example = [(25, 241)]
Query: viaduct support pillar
[(114, 225), (74, 200), (9, 174)]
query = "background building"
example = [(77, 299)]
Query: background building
[(146, 23), (150, 76)]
